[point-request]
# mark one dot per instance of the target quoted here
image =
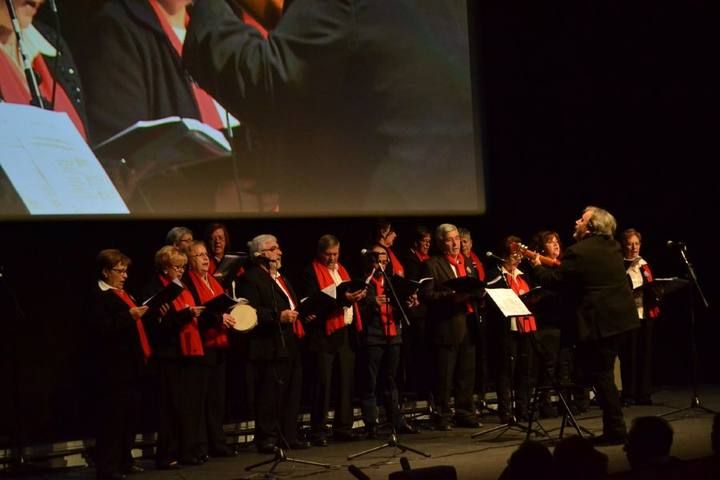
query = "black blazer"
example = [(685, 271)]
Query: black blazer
[(269, 339), (117, 343), (448, 321), (592, 280)]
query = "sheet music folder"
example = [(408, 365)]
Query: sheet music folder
[(154, 146), (220, 304), (508, 302), (326, 300), (169, 293), (229, 265), (464, 284)]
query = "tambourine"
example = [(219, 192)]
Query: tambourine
[(245, 317)]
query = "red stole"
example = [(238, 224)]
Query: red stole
[(397, 267), (459, 264), (653, 310), (421, 256), (297, 326), (190, 340), (254, 23), (142, 336), (478, 265), (215, 337), (13, 89), (387, 317), (519, 286), (324, 279), (206, 106)]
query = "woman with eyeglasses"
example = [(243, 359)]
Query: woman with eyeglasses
[(177, 351), (214, 331), (123, 352)]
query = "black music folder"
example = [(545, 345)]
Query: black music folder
[(226, 271), (220, 304), (169, 293), (465, 284), (404, 287), (536, 296), (319, 304), (348, 286), (152, 147)]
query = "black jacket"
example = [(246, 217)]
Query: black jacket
[(592, 281)]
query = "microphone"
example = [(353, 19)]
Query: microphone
[(490, 254), (365, 252), (53, 6), (673, 244)]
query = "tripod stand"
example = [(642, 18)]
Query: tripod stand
[(392, 442), (281, 457), (695, 402)]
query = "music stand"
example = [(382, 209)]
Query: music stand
[(392, 442), (672, 285), (281, 457)]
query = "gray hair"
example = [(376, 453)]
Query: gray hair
[(601, 222), (175, 234), (255, 245), (443, 230)]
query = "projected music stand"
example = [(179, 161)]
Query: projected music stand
[(281, 457), (674, 284)]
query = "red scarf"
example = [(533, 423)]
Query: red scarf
[(387, 317), (397, 267), (519, 286), (14, 90), (254, 23), (215, 337), (478, 265), (337, 321), (653, 310), (206, 106), (142, 336), (190, 340), (421, 256), (297, 326), (459, 264)]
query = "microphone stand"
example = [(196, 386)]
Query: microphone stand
[(695, 402), (27, 68)]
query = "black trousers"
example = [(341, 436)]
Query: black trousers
[(118, 412), (380, 368), (278, 386), (455, 373), (515, 357), (182, 383), (596, 359), (214, 438), (636, 366), (322, 365)]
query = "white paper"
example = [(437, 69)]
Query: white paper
[(508, 302), (50, 165)]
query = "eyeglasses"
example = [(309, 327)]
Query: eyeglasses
[(203, 254), (178, 268), (120, 270), (274, 248)]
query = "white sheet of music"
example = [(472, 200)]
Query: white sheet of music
[(508, 302), (51, 167)]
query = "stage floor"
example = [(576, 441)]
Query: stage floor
[(480, 458)]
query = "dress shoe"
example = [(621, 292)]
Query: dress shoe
[(110, 476), (267, 446), (168, 465), (298, 444), (467, 423), (132, 469), (319, 441), (341, 436), (223, 452), (608, 440), (405, 428)]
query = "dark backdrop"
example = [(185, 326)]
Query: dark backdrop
[(605, 103)]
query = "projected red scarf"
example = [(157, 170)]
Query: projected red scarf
[(397, 267), (297, 326), (142, 336), (216, 336), (459, 264), (335, 322), (653, 310), (387, 317), (14, 90), (519, 286), (206, 106)]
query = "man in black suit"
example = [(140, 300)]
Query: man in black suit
[(452, 323), (380, 88), (273, 347), (592, 279)]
